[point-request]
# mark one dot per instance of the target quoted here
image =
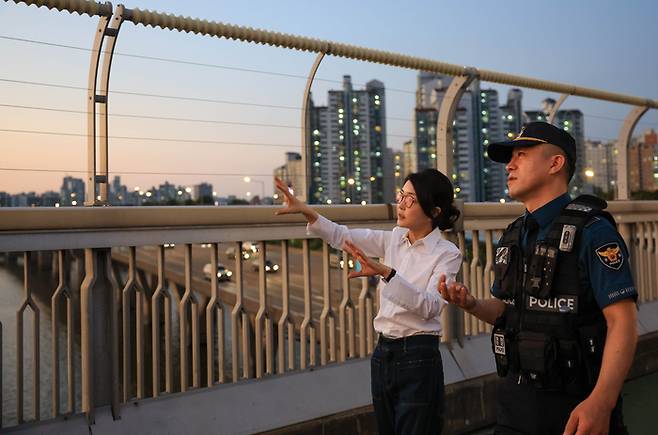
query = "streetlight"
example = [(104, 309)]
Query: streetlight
[(589, 173), (262, 185)]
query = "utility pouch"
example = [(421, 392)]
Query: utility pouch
[(539, 281), (501, 345), (592, 341), (537, 353), (569, 358)]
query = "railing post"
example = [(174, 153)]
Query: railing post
[(99, 335), (92, 99), (102, 176), (452, 319), (446, 117), (306, 118), (555, 108), (623, 182)]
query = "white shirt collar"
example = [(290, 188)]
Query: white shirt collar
[(429, 242)]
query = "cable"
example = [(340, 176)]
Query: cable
[(620, 120), (171, 97), (251, 124), (164, 118), (119, 172), (155, 139), (185, 62), (162, 59)]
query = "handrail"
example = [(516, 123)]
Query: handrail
[(302, 43)]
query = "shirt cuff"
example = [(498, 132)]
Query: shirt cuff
[(318, 228)]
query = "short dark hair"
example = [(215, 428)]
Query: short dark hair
[(434, 189)]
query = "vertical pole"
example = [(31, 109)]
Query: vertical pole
[(92, 99), (445, 120), (623, 182), (306, 118)]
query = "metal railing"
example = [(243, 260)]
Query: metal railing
[(155, 341)]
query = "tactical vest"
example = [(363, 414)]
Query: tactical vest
[(552, 332)]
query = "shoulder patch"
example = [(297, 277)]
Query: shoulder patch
[(610, 255)]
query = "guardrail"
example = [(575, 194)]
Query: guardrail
[(151, 324)]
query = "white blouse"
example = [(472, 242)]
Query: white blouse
[(410, 302)]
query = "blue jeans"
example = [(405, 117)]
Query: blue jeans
[(407, 385)]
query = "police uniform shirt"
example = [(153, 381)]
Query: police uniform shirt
[(603, 257)]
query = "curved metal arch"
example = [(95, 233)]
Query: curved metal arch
[(555, 108), (306, 120), (624, 139)]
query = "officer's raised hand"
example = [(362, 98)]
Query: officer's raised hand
[(456, 293)]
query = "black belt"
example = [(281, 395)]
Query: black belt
[(412, 340)]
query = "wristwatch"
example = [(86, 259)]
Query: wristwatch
[(390, 276)]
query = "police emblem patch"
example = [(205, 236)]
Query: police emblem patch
[(502, 255), (611, 255)]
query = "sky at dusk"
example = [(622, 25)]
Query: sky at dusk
[(600, 44)]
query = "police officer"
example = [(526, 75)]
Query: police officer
[(564, 306)]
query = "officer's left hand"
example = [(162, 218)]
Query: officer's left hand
[(590, 417)]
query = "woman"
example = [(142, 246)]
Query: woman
[(406, 368)]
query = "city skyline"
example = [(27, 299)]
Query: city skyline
[(217, 137)]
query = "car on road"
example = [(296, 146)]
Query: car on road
[(269, 266), (222, 273), (249, 250), (337, 261)]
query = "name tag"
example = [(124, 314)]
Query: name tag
[(567, 238), (558, 304)]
